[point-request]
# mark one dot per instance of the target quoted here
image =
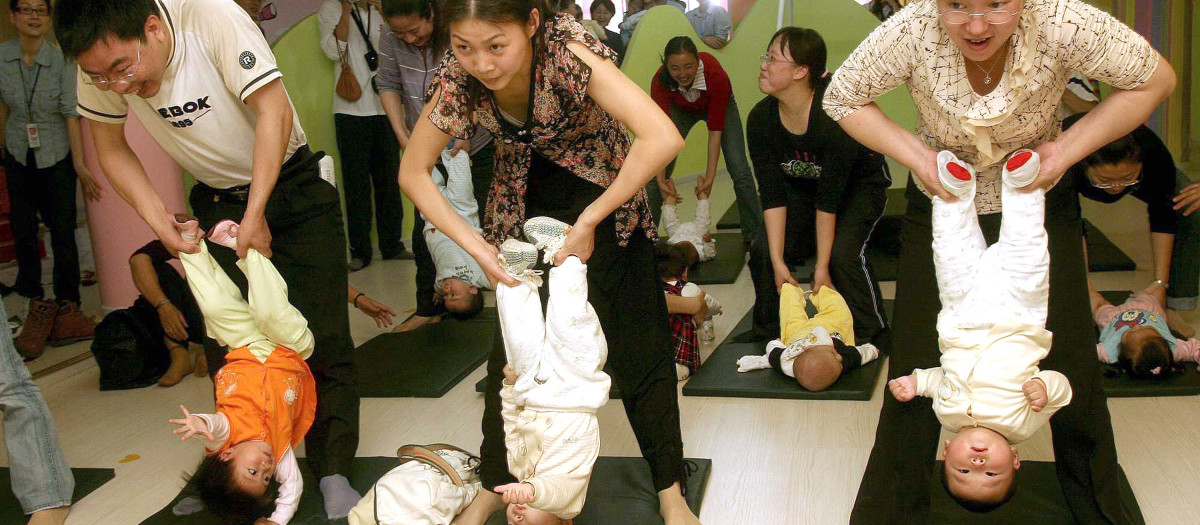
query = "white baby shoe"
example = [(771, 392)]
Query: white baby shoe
[(1022, 168), (956, 176)]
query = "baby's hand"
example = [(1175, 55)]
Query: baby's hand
[(516, 493), (904, 389), (510, 377), (191, 425), (1035, 392), (264, 521)]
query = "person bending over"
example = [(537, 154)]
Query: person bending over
[(991, 331), (266, 395), (814, 350), (1135, 337), (553, 384)]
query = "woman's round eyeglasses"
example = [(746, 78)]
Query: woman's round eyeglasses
[(1123, 183), (767, 58)]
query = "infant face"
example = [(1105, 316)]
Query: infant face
[(253, 465), (519, 514), (457, 294), (980, 465)]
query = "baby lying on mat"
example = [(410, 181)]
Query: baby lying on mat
[(1135, 337), (553, 384), (817, 350), (266, 395), (694, 233), (991, 330)]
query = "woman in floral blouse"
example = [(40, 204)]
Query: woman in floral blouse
[(555, 102), (986, 77)]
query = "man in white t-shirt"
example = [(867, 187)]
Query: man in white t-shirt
[(201, 78)]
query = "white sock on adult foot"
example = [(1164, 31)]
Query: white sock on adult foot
[(868, 352), (339, 496), (1021, 168)]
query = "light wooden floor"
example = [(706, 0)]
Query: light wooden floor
[(781, 462)]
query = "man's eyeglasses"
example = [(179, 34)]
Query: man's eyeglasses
[(995, 17), (26, 10), (124, 76), (1123, 183)]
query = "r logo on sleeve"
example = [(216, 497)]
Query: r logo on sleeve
[(246, 59)]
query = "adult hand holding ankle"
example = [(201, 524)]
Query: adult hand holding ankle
[(1053, 165), (581, 240), (253, 233), (927, 172), (488, 257), (163, 224)]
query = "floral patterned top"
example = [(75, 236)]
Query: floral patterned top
[(1053, 38), (565, 125)]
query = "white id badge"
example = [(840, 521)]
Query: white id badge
[(31, 132)]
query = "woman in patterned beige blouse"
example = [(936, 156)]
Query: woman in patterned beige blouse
[(987, 76), (551, 95)]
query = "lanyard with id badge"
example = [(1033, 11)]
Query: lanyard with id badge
[(31, 128)]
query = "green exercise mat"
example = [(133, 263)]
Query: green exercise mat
[(87, 480), (621, 492), (731, 220), (426, 362), (718, 376), (1120, 385), (1038, 499), (364, 473), (726, 266)]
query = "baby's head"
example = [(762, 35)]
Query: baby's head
[(674, 260), (238, 485), (462, 299), (817, 367), (518, 514), (1143, 353), (981, 468)]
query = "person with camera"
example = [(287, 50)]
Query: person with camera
[(370, 154)]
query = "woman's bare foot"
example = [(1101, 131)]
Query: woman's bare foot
[(416, 321), (674, 509), (201, 364), (481, 508), (181, 366), (55, 516)]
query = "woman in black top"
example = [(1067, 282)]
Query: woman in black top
[(1140, 165), (811, 175)]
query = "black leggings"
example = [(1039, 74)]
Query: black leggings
[(626, 293), (896, 485)]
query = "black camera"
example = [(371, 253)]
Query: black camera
[(372, 59)]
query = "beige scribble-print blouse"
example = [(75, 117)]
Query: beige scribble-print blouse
[(1053, 39)]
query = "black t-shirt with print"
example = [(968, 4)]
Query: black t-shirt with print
[(824, 162)]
